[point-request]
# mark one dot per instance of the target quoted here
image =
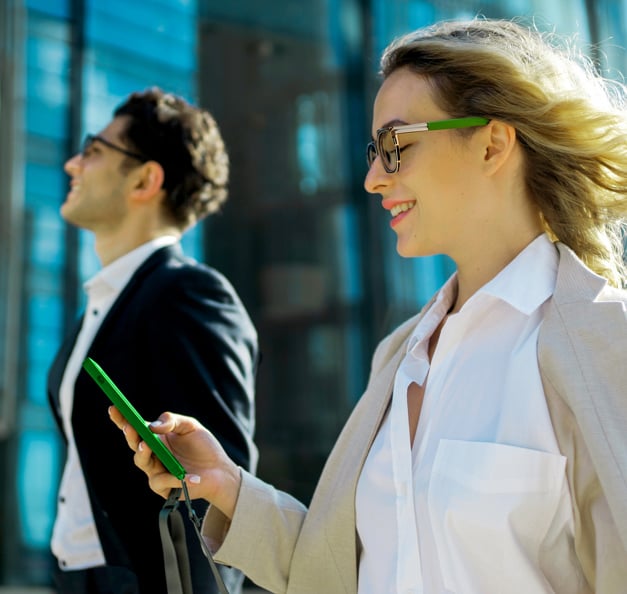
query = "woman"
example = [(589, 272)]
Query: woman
[(489, 451)]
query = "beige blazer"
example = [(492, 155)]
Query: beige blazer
[(582, 351)]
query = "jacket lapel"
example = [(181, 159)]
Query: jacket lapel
[(580, 372), (111, 323), (57, 369), (349, 454)]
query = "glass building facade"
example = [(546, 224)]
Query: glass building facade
[(291, 83)]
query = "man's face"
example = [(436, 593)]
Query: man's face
[(99, 186)]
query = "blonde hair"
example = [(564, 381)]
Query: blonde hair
[(571, 122)]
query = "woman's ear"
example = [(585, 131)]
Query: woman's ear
[(500, 140), (148, 181)]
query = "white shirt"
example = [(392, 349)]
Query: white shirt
[(480, 504), (75, 541)]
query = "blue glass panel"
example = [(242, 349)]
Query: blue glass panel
[(347, 257), (41, 349), (192, 242), (429, 275), (356, 375), (45, 312), (44, 279), (47, 236), (47, 151), (100, 101), (89, 262), (47, 78), (155, 49), (55, 8), (49, 54), (306, 19), (158, 45), (169, 18), (44, 185), (38, 471), (612, 23), (45, 118), (106, 87), (44, 350)]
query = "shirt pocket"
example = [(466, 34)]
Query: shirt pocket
[(490, 507)]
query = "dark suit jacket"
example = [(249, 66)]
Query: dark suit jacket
[(177, 338)]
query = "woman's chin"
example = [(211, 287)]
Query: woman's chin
[(407, 251)]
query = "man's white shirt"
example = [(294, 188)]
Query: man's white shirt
[(75, 541)]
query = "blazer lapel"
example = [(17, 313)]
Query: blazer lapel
[(580, 371), (57, 369), (118, 309), (349, 454), (109, 324)]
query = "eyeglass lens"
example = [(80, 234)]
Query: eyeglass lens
[(87, 142), (387, 149), (383, 147), (371, 153)]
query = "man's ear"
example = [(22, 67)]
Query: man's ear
[(500, 140), (148, 180)]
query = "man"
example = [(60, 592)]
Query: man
[(171, 332)]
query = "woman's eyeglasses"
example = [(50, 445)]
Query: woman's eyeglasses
[(387, 146), (91, 138)]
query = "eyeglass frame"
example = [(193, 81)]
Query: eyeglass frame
[(374, 147), (91, 138)]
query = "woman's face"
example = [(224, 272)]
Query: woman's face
[(435, 198)]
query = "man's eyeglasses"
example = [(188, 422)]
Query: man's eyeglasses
[(387, 146), (91, 138)]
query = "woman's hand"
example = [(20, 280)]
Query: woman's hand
[(211, 474)]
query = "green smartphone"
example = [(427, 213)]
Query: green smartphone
[(133, 417)]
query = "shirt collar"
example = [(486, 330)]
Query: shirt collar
[(529, 279), (525, 283), (444, 300), (117, 274)]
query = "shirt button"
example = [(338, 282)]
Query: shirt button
[(62, 499)]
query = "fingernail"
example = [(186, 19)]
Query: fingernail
[(193, 478), (156, 423), (140, 446)]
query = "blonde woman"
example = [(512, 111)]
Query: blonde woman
[(488, 453)]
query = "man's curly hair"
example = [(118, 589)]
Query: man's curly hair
[(186, 141)]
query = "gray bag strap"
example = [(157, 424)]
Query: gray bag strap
[(177, 570), (176, 559)]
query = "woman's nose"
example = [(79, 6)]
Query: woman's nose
[(376, 177)]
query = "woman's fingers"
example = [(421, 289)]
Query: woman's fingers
[(132, 437)]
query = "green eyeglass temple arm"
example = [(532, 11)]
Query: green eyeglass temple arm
[(457, 123), (469, 122)]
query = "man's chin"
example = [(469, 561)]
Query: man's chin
[(68, 214), (66, 210)]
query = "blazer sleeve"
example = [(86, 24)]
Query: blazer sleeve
[(582, 349), (201, 348), (238, 543)]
